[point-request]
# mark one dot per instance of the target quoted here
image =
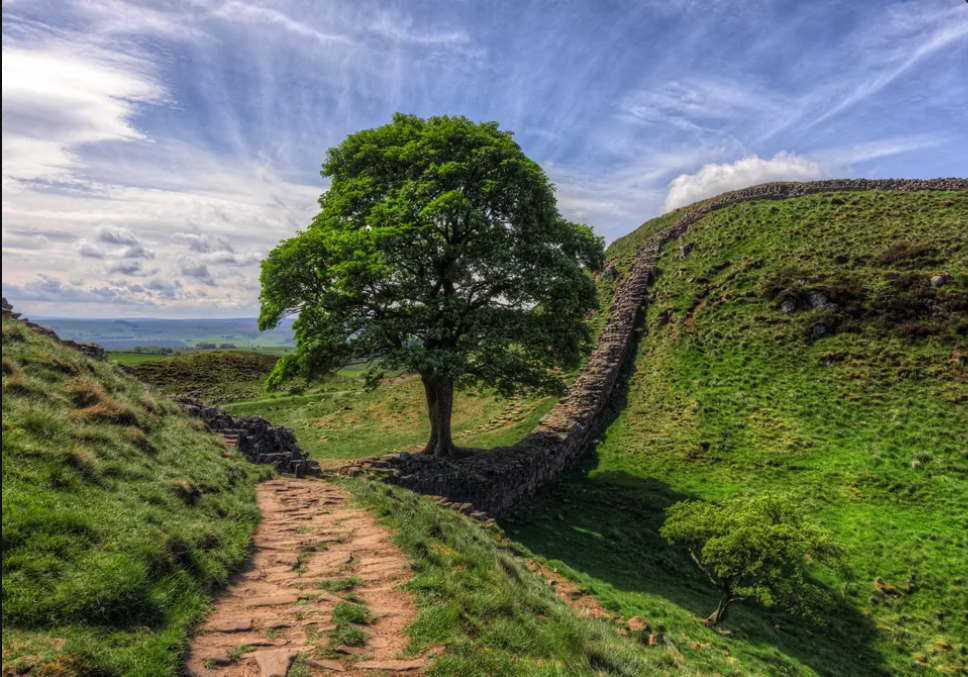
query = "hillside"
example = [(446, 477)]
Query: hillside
[(120, 517), (815, 346), (213, 377)]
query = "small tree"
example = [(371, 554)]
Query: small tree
[(755, 548), (439, 251)]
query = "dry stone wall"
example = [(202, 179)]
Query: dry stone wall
[(258, 440), (497, 481)]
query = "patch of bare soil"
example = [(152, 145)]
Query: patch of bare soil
[(281, 610), (569, 591)]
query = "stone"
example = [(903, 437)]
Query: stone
[(331, 666), (394, 666), (684, 252), (819, 301), (231, 627), (349, 651), (280, 600), (819, 331), (6, 305), (657, 639), (939, 280), (275, 663), (610, 274), (789, 306)]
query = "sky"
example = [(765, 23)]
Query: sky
[(155, 151)]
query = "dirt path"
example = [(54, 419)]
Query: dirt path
[(314, 555)]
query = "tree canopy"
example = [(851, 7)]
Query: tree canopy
[(439, 250), (755, 548)]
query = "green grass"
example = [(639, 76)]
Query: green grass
[(121, 517), (866, 426), (349, 422), (132, 359), (212, 377), (493, 616)]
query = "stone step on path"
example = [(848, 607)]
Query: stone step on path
[(276, 613)]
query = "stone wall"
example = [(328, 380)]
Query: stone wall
[(497, 481), (258, 440)]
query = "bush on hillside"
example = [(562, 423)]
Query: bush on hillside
[(755, 549)]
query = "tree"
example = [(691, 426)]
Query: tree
[(439, 251), (755, 548)]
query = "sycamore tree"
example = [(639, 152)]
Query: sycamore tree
[(756, 548), (439, 251)]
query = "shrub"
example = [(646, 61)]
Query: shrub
[(755, 548)]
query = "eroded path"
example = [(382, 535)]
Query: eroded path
[(322, 595)]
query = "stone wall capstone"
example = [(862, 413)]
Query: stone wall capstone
[(497, 481)]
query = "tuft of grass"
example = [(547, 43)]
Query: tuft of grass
[(341, 585), (121, 517)]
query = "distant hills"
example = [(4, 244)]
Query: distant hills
[(128, 334)]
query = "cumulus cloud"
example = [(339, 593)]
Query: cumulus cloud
[(131, 268), (117, 236), (89, 250), (48, 288), (714, 179), (197, 270), (204, 244)]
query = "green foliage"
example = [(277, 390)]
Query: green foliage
[(440, 250), (865, 427), (121, 517), (756, 548)]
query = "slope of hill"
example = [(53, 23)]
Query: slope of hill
[(120, 517), (815, 346)]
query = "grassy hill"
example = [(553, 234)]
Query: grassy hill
[(800, 347), (120, 517), (213, 377)]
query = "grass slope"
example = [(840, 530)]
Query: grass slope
[(120, 517), (866, 424), (492, 616), (212, 377)]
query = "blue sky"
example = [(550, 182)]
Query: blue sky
[(154, 151)]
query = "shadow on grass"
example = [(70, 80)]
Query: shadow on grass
[(606, 526)]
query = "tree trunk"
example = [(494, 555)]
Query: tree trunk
[(440, 405), (722, 613)]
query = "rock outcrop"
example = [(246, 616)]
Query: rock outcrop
[(256, 438), (496, 481)]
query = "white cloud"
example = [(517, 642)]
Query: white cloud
[(117, 236), (204, 244), (59, 97), (48, 288), (715, 179), (192, 268), (88, 250), (131, 268)]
